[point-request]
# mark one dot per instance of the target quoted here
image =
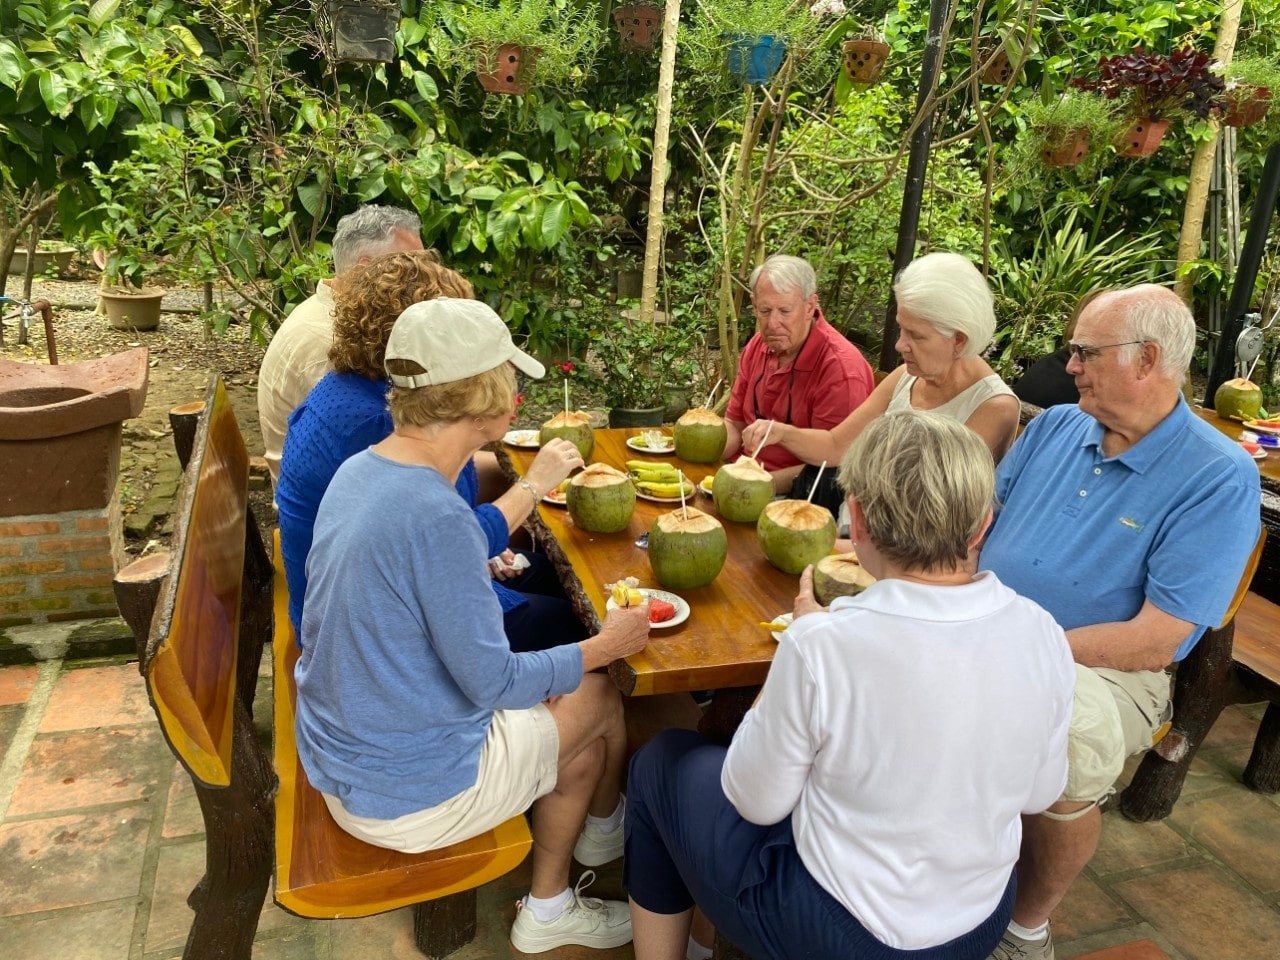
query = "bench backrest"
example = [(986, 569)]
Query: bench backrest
[(190, 662)]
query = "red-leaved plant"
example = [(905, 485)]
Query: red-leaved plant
[(1160, 86)]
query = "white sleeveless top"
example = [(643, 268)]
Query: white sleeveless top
[(960, 407)]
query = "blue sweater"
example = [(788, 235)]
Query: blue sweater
[(404, 657), (344, 414)]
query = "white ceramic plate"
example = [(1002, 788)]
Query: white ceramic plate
[(1262, 427), (525, 439), (638, 444), (681, 605), (780, 618), (640, 494), (705, 485), (556, 498), (1260, 455)]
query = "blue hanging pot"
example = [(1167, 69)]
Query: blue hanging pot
[(753, 59)]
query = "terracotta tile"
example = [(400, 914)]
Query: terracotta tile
[(1133, 950), (1126, 845), (1087, 910), (16, 683), (1205, 913), (10, 720), (72, 860), (1129, 943), (1240, 829), (179, 869), (70, 934), (97, 697), (182, 816), (296, 944), (1233, 727), (86, 769)]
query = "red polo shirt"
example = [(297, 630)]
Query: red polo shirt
[(824, 384)]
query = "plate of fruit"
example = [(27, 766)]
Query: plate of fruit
[(1264, 426), (651, 441), (659, 482), (525, 439), (666, 609), (557, 496)]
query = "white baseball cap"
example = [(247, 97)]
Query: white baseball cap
[(453, 339)]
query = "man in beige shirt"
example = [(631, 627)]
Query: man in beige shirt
[(298, 355)]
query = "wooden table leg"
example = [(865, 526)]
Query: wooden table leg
[(728, 707)]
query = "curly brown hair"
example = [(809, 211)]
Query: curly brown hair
[(372, 296)]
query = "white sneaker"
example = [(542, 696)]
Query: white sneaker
[(585, 921), (595, 848)]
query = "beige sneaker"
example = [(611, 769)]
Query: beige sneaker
[(586, 922), (1013, 947), (595, 848)]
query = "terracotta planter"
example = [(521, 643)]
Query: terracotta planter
[(864, 59), (512, 65), (638, 25), (1248, 109), (45, 261), (999, 71), (755, 60), (132, 311), (1069, 152), (1143, 138)]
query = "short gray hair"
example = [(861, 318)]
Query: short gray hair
[(925, 483), (946, 291), (370, 232), (1154, 314), (787, 274)]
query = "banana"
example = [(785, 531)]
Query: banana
[(625, 596), (668, 489)]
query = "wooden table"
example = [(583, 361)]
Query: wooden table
[(722, 644), (1268, 468)]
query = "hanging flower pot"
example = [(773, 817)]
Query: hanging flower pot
[(1143, 138), (638, 25), (1069, 151), (1247, 108), (999, 71), (864, 59), (506, 69), (755, 60)]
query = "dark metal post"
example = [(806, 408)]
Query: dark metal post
[(917, 164), (1255, 242)]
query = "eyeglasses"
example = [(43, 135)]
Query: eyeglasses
[(1084, 352)]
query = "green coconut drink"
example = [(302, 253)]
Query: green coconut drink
[(601, 499), (742, 490), (1238, 399), (687, 551), (574, 426), (794, 534), (840, 575), (700, 436)]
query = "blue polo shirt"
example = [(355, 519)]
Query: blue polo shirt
[(1090, 538)]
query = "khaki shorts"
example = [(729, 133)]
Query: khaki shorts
[(517, 766), (1114, 715)]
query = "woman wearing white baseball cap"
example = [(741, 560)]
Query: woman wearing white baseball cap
[(415, 719)]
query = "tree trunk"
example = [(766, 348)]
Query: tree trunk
[(658, 176)]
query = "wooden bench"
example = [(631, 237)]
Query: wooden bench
[(1238, 662), (201, 615)]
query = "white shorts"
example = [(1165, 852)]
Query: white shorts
[(517, 766), (1114, 715)]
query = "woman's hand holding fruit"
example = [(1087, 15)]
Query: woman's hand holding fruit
[(625, 631)]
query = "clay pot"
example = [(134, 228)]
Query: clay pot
[(1069, 152), (1143, 138), (638, 25), (999, 71), (512, 64), (136, 310), (864, 59), (753, 59), (1248, 109)]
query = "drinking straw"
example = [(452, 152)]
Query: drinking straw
[(763, 440), (814, 488), (566, 398), (712, 394), (684, 507)]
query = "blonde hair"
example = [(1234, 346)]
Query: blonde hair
[(372, 296), (487, 394), (924, 483)]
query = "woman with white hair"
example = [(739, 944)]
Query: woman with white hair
[(946, 318)]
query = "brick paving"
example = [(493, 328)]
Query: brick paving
[(101, 841)]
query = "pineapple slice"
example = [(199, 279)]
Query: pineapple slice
[(625, 596)]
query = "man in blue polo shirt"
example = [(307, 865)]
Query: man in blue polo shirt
[(1130, 520)]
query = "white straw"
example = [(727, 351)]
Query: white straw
[(814, 488), (566, 398), (711, 396), (684, 507), (763, 440)]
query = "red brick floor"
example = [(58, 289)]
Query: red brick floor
[(101, 841)]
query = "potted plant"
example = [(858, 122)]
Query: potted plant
[(864, 54), (516, 44), (1247, 93), (638, 25), (749, 38), (1066, 130), (51, 256), (640, 362), (121, 226), (1157, 88)]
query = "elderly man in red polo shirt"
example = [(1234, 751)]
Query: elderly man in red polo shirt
[(796, 368)]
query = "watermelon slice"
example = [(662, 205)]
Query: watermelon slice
[(660, 611)]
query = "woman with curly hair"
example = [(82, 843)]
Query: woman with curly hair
[(347, 412)]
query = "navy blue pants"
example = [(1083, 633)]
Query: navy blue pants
[(546, 618), (686, 843)]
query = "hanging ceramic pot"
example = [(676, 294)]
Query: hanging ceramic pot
[(1069, 151), (639, 25), (507, 69), (1143, 138), (1248, 108), (999, 71), (864, 59), (753, 59)]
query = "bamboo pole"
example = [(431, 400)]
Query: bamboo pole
[(1202, 163), (658, 176)]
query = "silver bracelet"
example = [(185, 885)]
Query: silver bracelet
[(533, 491)]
